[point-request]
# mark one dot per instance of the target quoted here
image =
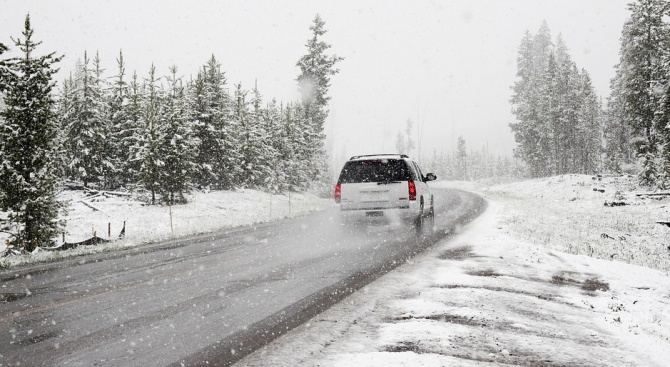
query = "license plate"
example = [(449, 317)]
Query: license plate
[(374, 214)]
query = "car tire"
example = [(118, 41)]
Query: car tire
[(429, 223), (418, 222)]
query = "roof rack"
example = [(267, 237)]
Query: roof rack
[(376, 155)]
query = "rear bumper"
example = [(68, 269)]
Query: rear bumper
[(363, 211)]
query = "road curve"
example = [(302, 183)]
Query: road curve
[(208, 299)]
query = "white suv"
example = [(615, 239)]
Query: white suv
[(385, 185)]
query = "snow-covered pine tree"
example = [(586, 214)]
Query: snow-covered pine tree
[(86, 131), (617, 132), (644, 46), (28, 129), (176, 146), (528, 97), (554, 135), (461, 160), (149, 147), (316, 68), (589, 128), (276, 182), (400, 144), (109, 164), (4, 73), (132, 131), (121, 129), (64, 114), (663, 115), (256, 147), (210, 113), (292, 162), (246, 143)]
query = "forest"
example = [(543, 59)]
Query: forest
[(561, 124), (157, 136), (162, 134)]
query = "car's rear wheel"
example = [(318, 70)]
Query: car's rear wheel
[(419, 223), (419, 220), (429, 223)]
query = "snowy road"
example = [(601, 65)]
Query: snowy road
[(207, 299)]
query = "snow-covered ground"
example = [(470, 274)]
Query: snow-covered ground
[(548, 275), (521, 285), (104, 216)]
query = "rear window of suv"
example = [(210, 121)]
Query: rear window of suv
[(377, 170)]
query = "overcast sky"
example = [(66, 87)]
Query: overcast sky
[(447, 65)]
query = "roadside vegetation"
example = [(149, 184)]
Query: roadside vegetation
[(609, 218)]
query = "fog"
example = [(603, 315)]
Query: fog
[(446, 65)]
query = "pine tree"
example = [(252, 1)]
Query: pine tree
[(86, 131), (589, 132), (558, 115), (210, 109), (28, 129), (617, 133), (176, 146), (530, 130), (149, 149), (255, 148), (65, 112), (4, 72), (316, 68), (131, 133), (644, 45), (461, 162), (275, 182), (121, 130)]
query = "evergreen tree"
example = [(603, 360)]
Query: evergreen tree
[(109, 165), (461, 163), (4, 72), (131, 133), (276, 181), (617, 133), (121, 130), (558, 127), (400, 144), (316, 68), (149, 147), (28, 130), (210, 113), (256, 147), (65, 114), (644, 45), (176, 146), (86, 131), (529, 131), (589, 132)]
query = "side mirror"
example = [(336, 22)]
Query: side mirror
[(430, 177)]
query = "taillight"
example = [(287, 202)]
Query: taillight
[(338, 193), (412, 190)]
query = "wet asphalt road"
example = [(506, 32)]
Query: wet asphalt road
[(208, 299)]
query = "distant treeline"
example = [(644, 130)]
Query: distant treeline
[(470, 165)]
